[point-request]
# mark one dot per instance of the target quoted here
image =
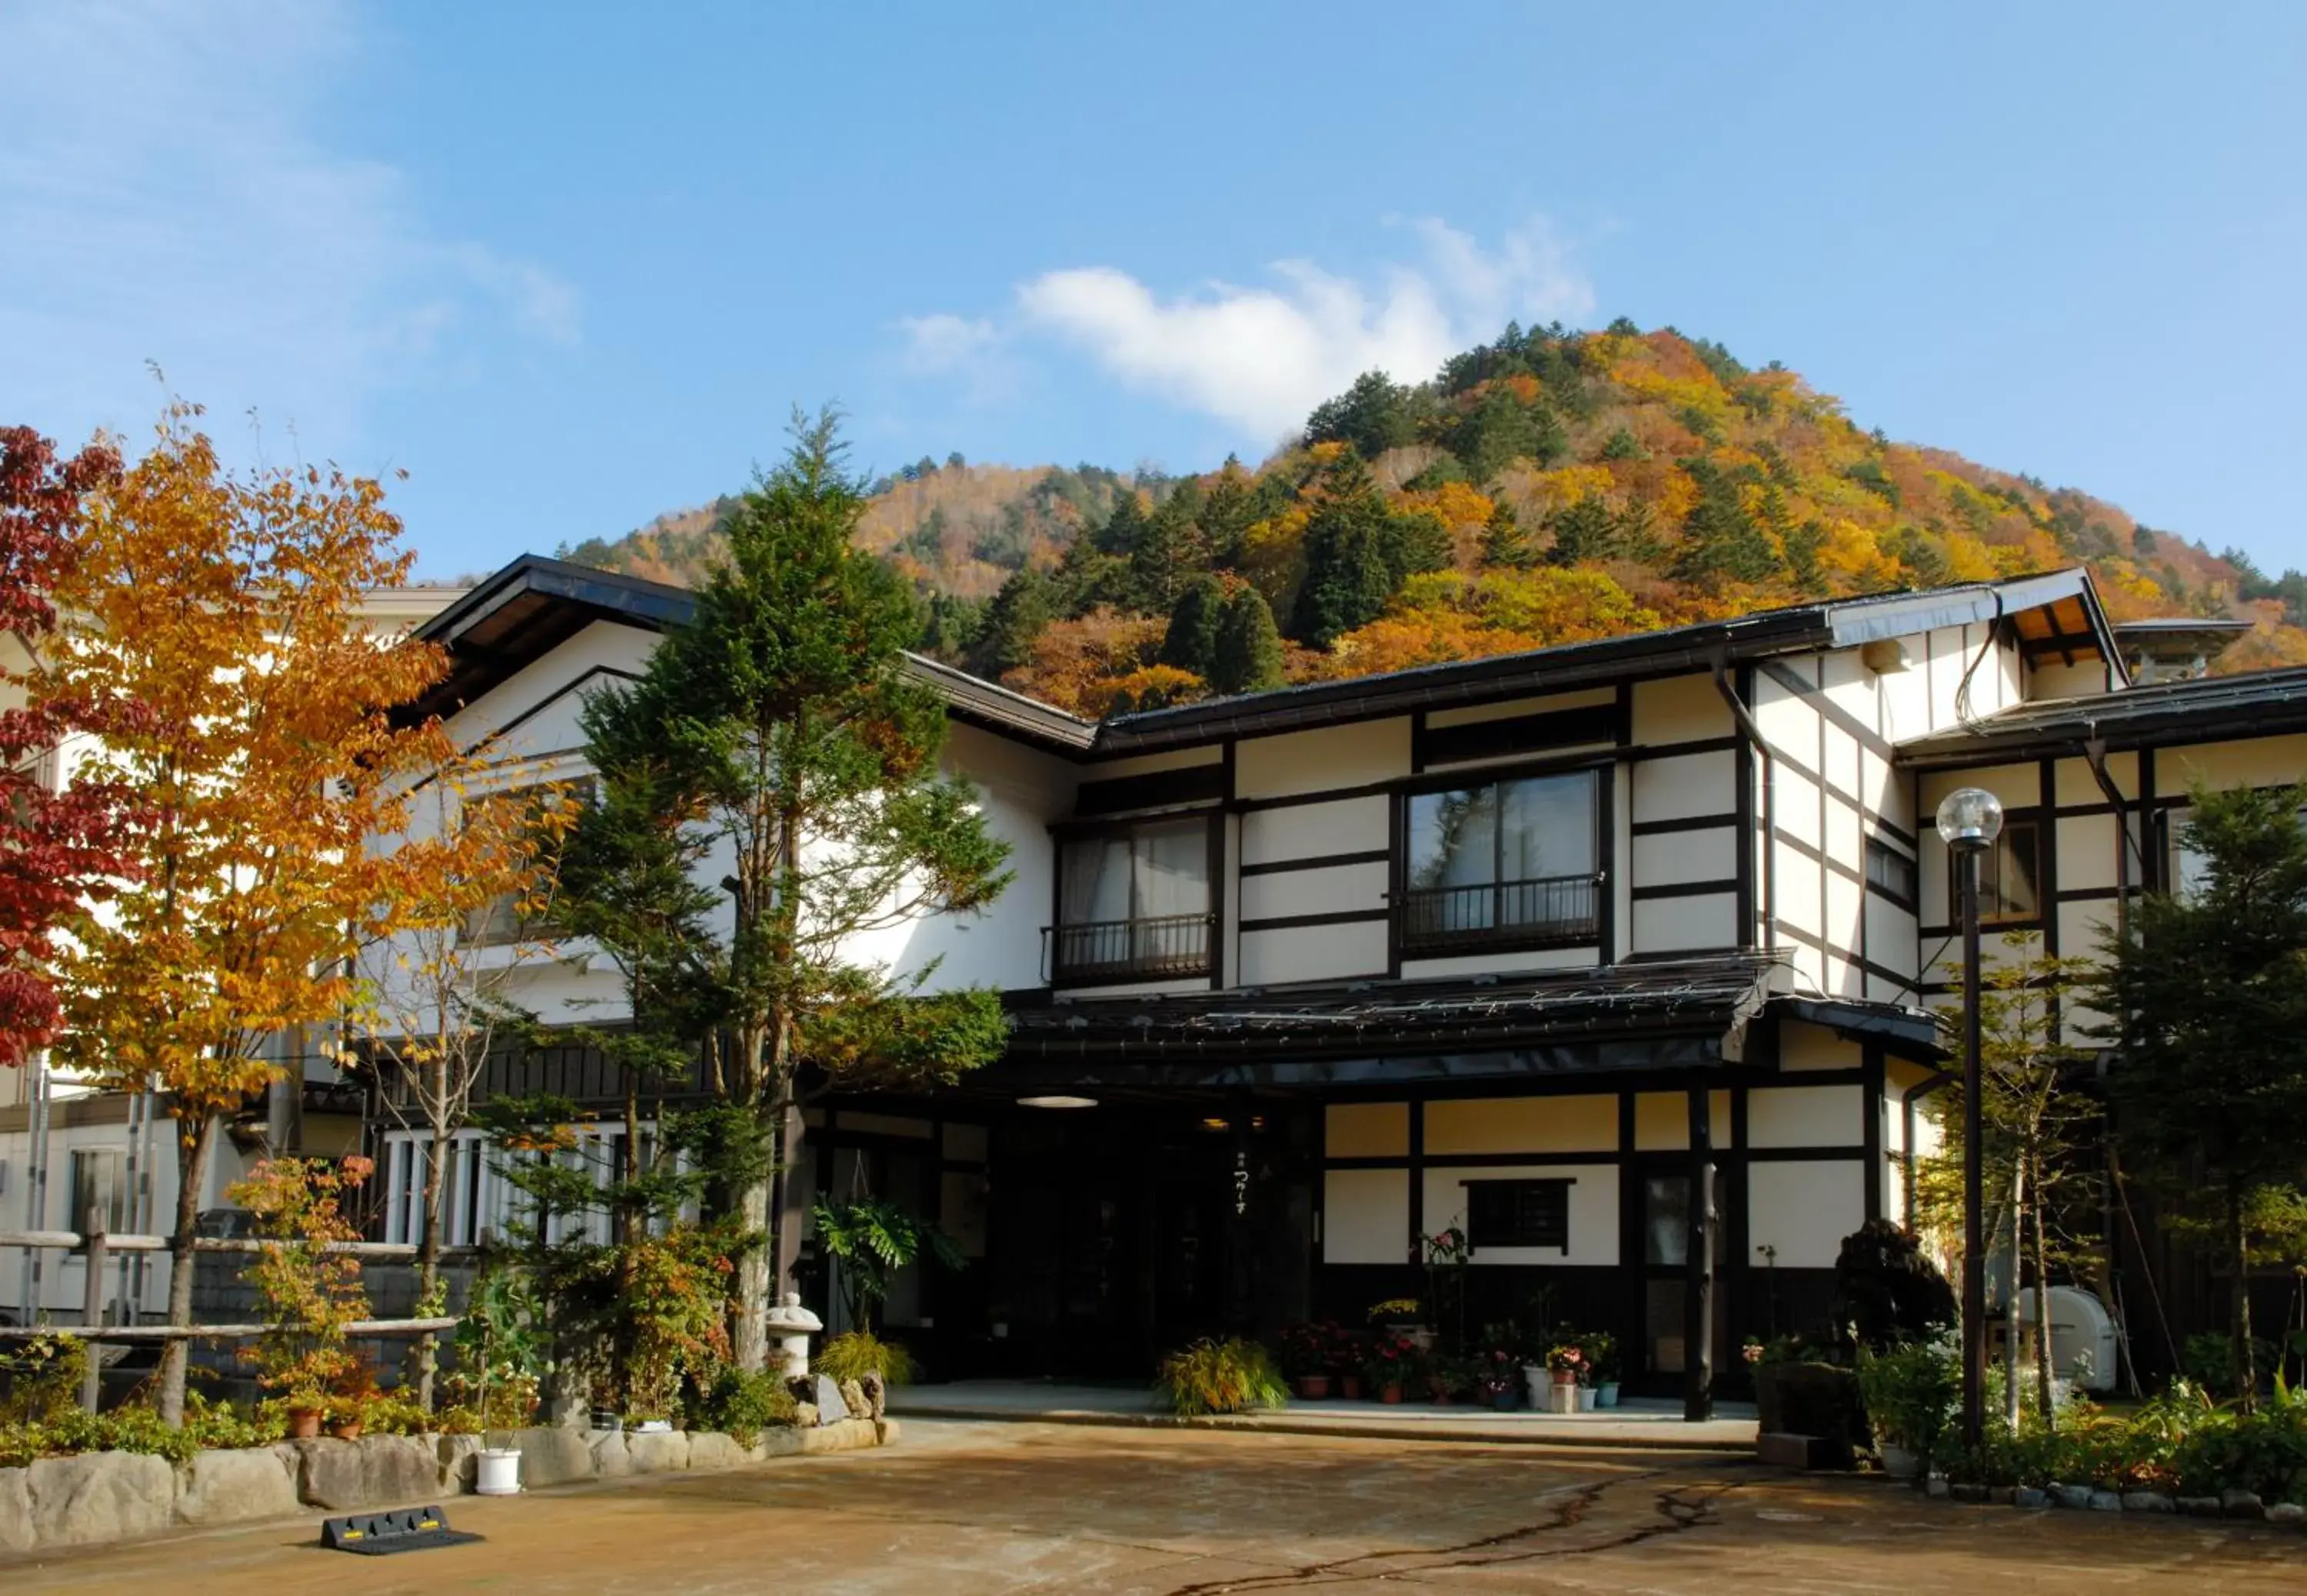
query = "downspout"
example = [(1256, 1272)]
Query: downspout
[(2095, 755), (1766, 884), (1937, 1079)]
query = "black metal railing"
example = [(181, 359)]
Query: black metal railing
[(1160, 947), (1561, 910)]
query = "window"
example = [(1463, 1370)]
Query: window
[(99, 1179), (2009, 876), (513, 916), (1518, 1213), (1891, 872), (1135, 902), (1513, 862)]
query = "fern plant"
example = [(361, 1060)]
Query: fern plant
[(1233, 1376)]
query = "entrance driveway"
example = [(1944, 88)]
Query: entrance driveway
[(1004, 1507)]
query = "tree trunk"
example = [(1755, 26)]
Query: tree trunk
[(2042, 1303), (192, 1144), (756, 1270), (2246, 1366)]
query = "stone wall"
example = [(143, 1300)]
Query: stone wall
[(101, 1496)]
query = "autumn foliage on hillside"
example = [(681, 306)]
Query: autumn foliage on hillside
[(1551, 487)]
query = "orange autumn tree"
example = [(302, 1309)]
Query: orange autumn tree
[(211, 632)]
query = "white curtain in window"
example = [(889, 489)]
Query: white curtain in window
[(1548, 826), (1097, 880), (1173, 867)]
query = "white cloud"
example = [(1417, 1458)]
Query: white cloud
[(940, 344), (1259, 358), (166, 195)]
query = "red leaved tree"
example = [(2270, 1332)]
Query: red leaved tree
[(59, 850)]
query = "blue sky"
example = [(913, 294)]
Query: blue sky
[(570, 266)]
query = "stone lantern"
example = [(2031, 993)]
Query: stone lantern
[(790, 1326)]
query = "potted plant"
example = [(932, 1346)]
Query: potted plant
[(1909, 1392), (1497, 1382), (1306, 1360), (501, 1352), (1601, 1350), (1446, 1376), (305, 1406), (1399, 1314), (1566, 1361), (1394, 1362)]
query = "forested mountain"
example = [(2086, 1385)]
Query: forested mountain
[(1550, 487)]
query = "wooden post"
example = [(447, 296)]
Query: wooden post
[(94, 1249)]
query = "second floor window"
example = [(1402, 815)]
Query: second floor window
[(1514, 861), (1135, 902), (518, 917), (2009, 876)]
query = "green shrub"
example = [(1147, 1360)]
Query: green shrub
[(853, 1354), (43, 1377), (743, 1404), (1911, 1394), (1220, 1377)]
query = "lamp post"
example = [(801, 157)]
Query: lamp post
[(1970, 820)]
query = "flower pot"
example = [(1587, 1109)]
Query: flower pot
[(498, 1474), (1606, 1394), (1537, 1381), (653, 1427), (304, 1423), (1586, 1399), (346, 1430), (1389, 1393), (1349, 1386), (1562, 1398), (1505, 1401), (1313, 1388), (1897, 1462)]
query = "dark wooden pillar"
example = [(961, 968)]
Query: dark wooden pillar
[(1698, 1297)]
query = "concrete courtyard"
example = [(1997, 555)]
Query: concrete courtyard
[(996, 1507)]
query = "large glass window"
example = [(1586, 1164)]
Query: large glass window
[(1515, 859), (1135, 902)]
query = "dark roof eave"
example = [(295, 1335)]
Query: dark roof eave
[(2206, 709)]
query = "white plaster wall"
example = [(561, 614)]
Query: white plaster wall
[(1530, 959), (1686, 785), (1366, 1130), (1522, 1126), (1679, 709), (1333, 890), (1815, 1048), (1313, 953), (1804, 1116), (1594, 1211), (1311, 830), (1805, 1209), (1301, 762), (1685, 925), (1366, 1215)]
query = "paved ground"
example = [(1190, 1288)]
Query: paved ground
[(1637, 1424), (998, 1508)]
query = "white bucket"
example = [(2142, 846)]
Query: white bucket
[(500, 1473)]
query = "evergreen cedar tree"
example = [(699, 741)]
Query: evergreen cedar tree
[(783, 711), (2205, 996), (1682, 484), (59, 850), (251, 888)]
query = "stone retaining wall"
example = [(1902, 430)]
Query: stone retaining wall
[(100, 1497)]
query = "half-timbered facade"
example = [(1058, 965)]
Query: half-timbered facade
[(1617, 956)]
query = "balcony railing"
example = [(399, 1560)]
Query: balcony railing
[(1554, 911), (1163, 947)]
